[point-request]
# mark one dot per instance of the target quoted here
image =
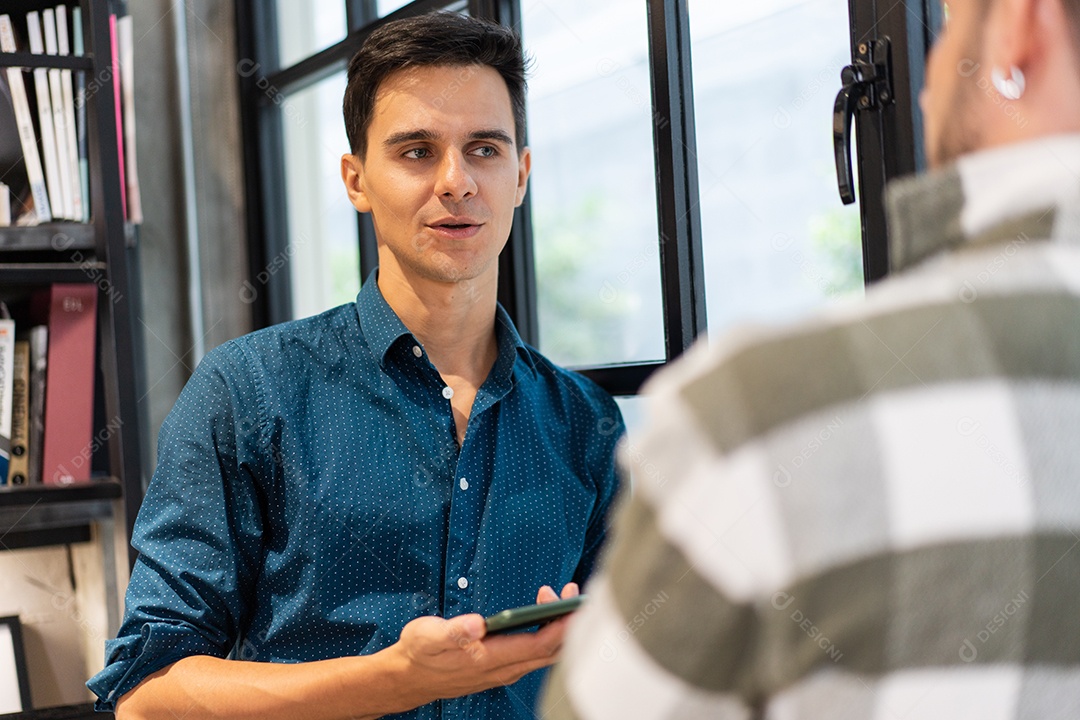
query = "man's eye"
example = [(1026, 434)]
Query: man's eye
[(486, 151), (417, 153)]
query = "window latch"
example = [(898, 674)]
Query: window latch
[(867, 85)]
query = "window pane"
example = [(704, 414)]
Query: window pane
[(323, 255), (777, 240), (385, 7), (307, 26), (592, 189)]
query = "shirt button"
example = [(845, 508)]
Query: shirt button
[(464, 484), (462, 583), (448, 392), (417, 351)]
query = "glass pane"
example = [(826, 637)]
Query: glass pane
[(385, 7), (593, 188), (777, 240), (323, 255), (306, 26)]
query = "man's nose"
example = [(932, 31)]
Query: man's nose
[(454, 181)]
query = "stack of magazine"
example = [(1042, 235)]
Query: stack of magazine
[(44, 158)]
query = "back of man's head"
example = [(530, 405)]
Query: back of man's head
[(437, 39), (1002, 71)]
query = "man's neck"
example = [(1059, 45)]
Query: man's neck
[(455, 322)]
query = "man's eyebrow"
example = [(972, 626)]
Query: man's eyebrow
[(407, 136)]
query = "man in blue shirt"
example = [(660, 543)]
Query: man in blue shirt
[(339, 500)]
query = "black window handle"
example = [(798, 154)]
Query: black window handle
[(867, 85)]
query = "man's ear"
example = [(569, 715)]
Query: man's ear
[(1011, 30), (352, 174), (524, 166)]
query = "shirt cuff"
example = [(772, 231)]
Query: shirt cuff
[(129, 659)]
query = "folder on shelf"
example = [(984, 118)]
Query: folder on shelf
[(47, 123), (63, 47), (69, 391), (5, 205), (114, 48), (60, 126), (126, 47), (19, 468), (25, 122), (7, 372)]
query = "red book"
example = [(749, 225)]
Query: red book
[(69, 388)]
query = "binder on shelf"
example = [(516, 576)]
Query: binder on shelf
[(5, 205), (80, 116), (63, 47), (69, 392), (19, 469), (27, 137), (39, 368), (7, 371), (46, 122)]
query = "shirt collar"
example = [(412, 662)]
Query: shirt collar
[(382, 327), (987, 197)]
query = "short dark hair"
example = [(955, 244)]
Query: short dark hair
[(431, 40)]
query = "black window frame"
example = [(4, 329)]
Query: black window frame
[(889, 145)]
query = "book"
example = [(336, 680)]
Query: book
[(113, 43), (47, 123), (25, 122), (56, 97), (7, 372), (126, 48), (69, 393), (5, 205), (19, 469), (80, 115), (39, 367), (63, 47)]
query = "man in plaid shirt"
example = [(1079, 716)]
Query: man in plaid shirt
[(876, 513)]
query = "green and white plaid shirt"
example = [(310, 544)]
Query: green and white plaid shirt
[(874, 513)]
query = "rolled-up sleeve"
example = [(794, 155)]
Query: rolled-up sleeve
[(198, 533)]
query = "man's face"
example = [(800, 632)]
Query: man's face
[(951, 98), (441, 176)]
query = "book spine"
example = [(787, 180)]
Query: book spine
[(5, 205), (126, 45), (45, 116), (69, 399), (80, 115), (113, 42), (19, 469), (7, 372), (25, 122), (63, 47), (56, 96), (39, 368)]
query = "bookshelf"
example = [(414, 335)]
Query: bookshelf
[(104, 253)]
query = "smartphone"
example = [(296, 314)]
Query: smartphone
[(523, 617)]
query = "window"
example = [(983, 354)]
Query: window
[(665, 135)]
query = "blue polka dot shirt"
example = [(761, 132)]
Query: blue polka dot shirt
[(310, 499)]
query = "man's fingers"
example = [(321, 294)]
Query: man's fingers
[(570, 590), (546, 595), (432, 635)]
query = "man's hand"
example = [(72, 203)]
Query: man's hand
[(450, 658)]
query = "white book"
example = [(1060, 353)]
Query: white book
[(45, 116), (5, 205), (63, 47), (7, 377), (80, 116), (125, 30), (27, 138), (56, 95)]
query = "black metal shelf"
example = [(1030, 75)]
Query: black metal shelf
[(48, 273), (63, 62), (104, 489), (50, 236)]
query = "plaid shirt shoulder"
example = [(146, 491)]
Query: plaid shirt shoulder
[(875, 514)]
